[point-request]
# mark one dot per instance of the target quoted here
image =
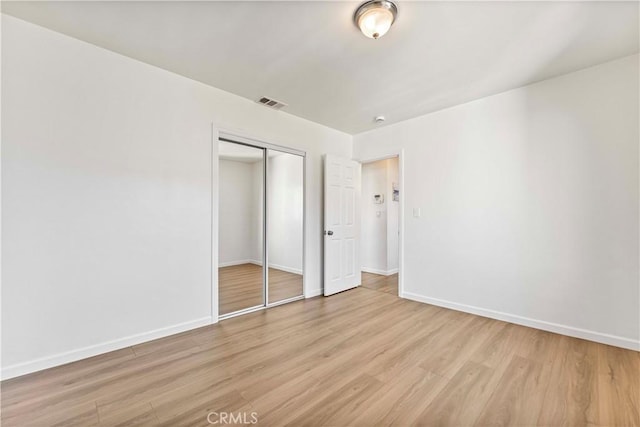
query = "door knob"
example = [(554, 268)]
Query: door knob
[(329, 233)]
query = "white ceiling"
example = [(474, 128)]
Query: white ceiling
[(311, 56), (244, 153), (239, 153)]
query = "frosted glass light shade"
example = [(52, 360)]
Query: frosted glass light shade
[(374, 18)]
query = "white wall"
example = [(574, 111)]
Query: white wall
[(106, 196), (240, 231), (240, 212), (379, 243), (374, 218), (285, 203), (529, 203), (257, 213)]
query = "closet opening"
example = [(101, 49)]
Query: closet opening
[(260, 226)]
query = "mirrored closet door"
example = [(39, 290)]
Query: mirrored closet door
[(285, 225), (241, 227), (261, 223)]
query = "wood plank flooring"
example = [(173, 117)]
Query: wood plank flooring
[(361, 357), (378, 282), (240, 286), (284, 285)]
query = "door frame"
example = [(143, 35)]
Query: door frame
[(242, 137), (384, 155)]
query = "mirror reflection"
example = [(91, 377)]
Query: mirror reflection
[(240, 246), (285, 225)]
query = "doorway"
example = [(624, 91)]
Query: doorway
[(380, 235), (260, 226)]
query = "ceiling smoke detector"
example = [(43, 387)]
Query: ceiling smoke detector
[(379, 119), (271, 103)]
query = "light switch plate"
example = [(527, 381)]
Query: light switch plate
[(417, 212)]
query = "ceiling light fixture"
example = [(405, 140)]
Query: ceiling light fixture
[(375, 17)]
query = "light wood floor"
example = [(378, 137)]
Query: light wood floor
[(240, 286), (378, 282), (360, 357)]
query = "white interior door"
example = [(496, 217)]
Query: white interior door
[(341, 224)]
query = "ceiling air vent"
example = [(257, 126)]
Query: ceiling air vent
[(271, 103)]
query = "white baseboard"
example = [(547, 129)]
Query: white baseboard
[(232, 263), (381, 272), (94, 350), (313, 293), (571, 331), (257, 262), (285, 268)]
